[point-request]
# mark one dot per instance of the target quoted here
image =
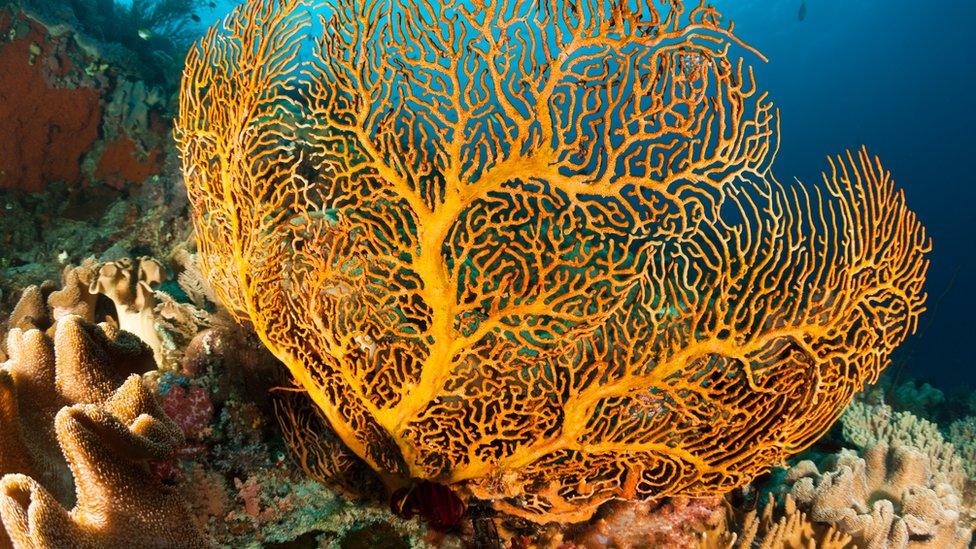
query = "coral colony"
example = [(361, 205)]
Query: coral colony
[(561, 271), (504, 274)]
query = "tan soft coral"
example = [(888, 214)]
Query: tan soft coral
[(866, 424), (130, 285), (75, 296), (160, 321), (31, 402), (887, 499), (41, 305), (780, 527), (962, 434), (109, 426)]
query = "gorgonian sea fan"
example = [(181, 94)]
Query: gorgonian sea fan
[(534, 249)]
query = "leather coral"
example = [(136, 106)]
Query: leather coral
[(535, 250), (78, 394)]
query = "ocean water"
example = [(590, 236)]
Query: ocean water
[(896, 76)]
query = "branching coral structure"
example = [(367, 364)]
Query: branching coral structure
[(535, 249)]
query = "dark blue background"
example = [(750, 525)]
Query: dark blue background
[(899, 77)]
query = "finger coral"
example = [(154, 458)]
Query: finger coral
[(887, 499), (535, 249), (778, 527), (962, 434), (80, 389), (865, 425)]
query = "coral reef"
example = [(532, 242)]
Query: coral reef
[(119, 164), (42, 232), (476, 284), (919, 399), (243, 490), (866, 425), (190, 408), (778, 527), (147, 37), (887, 499), (675, 523), (109, 426), (590, 325), (48, 127), (962, 435), (161, 322), (65, 120)]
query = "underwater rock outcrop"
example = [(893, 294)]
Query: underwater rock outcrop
[(62, 114), (536, 250), (889, 499)]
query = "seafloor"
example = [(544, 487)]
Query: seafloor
[(84, 207)]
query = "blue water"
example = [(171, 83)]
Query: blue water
[(898, 76)]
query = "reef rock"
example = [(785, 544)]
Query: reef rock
[(67, 118)]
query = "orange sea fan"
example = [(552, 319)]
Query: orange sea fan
[(534, 249)]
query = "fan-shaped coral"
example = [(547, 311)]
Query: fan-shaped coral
[(535, 247)]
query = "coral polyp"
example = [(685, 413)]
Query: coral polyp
[(536, 249)]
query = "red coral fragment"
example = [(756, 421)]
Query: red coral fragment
[(249, 492), (191, 409), (47, 129), (120, 163)]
